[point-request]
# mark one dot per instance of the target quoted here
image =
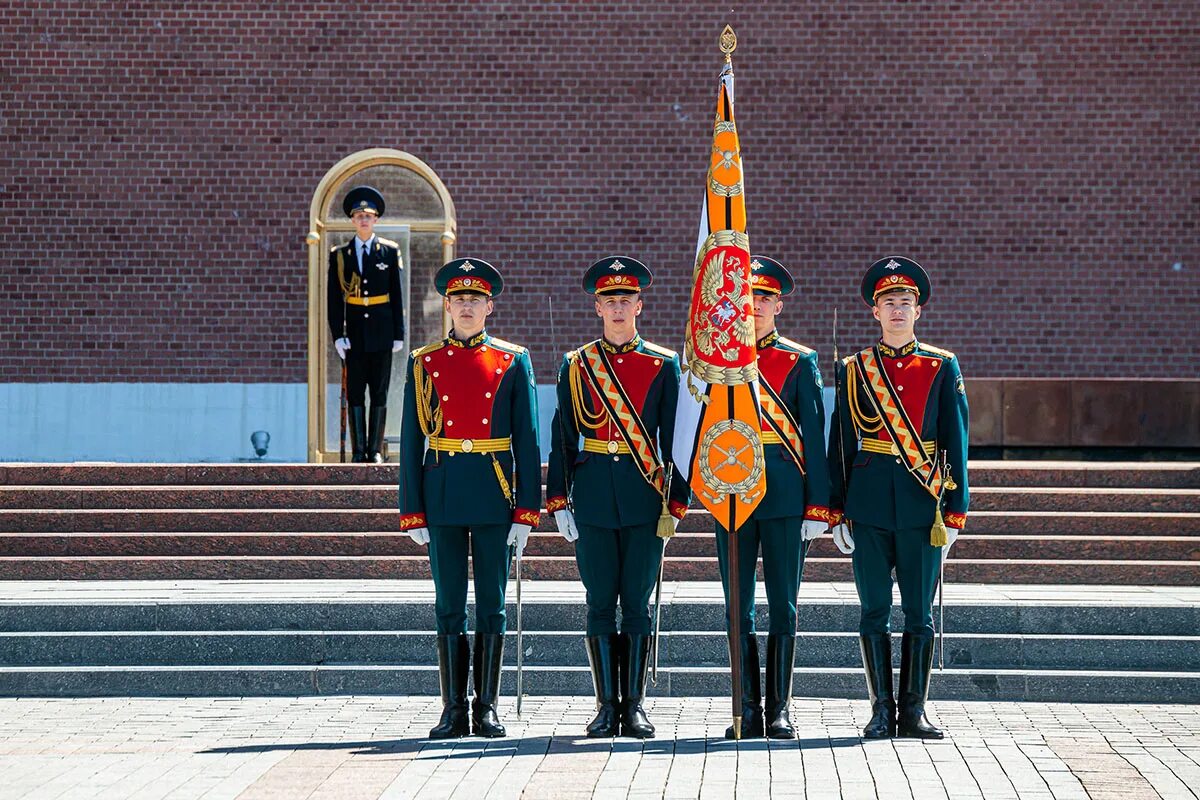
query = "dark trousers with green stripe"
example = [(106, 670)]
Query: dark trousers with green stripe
[(783, 566), (490, 558), (877, 552), (619, 566)]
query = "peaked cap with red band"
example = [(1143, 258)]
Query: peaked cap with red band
[(895, 274), (468, 275), (617, 274), (768, 276)]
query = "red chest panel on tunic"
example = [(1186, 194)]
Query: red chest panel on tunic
[(465, 381), (635, 371), (912, 376), (775, 364)]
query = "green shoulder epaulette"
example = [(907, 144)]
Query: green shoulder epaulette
[(503, 345), (937, 350), (799, 348), (662, 351), (429, 348)]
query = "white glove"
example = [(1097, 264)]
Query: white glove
[(397, 345), (843, 538), (518, 535), (951, 538), (342, 345), (675, 522), (419, 535), (811, 529), (565, 521)]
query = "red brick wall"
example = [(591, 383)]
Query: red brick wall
[(1039, 158)]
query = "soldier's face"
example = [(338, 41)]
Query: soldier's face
[(897, 312), (468, 312), (766, 308), (618, 310), (364, 224)]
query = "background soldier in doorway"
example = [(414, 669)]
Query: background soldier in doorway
[(470, 481), (366, 318), (899, 437), (793, 512), (620, 393)]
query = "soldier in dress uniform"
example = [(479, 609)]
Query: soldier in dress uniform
[(614, 497), (470, 479), (366, 318), (794, 511), (899, 442)]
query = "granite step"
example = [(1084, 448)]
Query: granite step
[(1041, 571), (682, 545), (1091, 523), (359, 496), (679, 649), (956, 683), (984, 473)]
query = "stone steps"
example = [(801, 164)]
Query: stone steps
[(1078, 644), (354, 496), (1050, 474), (969, 546)]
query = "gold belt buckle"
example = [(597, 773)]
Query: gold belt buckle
[(612, 446), (467, 445), (895, 449)]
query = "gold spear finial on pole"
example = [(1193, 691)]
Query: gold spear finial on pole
[(728, 43)]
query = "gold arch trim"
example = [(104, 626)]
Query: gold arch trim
[(315, 241)]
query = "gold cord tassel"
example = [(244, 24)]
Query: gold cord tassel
[(666, 523), (504, 487), (938, 535)]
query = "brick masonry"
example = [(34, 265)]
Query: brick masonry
[(1039, 159)]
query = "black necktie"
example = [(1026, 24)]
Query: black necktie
[(362, 263)]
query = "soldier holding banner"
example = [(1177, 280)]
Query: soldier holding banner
[(899, 440), (470, 481), (614, 496), (792, 513)]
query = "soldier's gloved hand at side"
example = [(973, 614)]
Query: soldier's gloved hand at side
[(951, 538), (419, 535), (518, 535), (342, 345), (811, 529), (565, 521), (842, 538), (397, 345)]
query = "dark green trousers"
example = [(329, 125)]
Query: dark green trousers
[(490, 557), (876, 553), (618, 566), (783, 565)]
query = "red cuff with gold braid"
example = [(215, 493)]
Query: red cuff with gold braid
[(555, 504), (955, 520), (836, 516), (526, 517), (410, 521), (822, 514), (677, 509)]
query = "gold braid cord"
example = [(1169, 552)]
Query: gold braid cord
[(583, 416), (866, 424), (354, 287), (504, 486), (429, 417)]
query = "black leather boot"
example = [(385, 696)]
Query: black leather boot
[(489, 650), (453, 660), (375, 434), (357, 419), (916, 664), (781, 659), (877, 661), (634, 659), (602, 657), (752, 713)]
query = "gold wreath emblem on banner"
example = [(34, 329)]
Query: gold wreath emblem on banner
[(731, 460)]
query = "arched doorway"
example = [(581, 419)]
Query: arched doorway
[(420, 217)]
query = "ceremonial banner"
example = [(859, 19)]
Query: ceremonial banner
[(717, 428)]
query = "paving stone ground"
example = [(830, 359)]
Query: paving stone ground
[(374, 747)]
